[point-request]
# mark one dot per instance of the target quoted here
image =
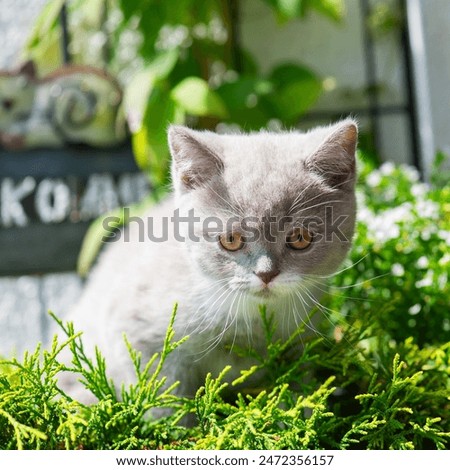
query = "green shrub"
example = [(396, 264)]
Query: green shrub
[(378, 376)]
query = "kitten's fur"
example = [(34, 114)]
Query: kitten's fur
[(135, 285)]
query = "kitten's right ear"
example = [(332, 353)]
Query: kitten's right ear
[(194, 162)]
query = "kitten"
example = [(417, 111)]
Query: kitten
[(275, 215), (75, 104)]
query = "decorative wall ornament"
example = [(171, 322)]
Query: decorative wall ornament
[(73, 105)]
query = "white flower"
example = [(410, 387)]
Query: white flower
[(426, 281), (365, 215), (401, 213), (374, 179), (427, 209), (274, 125), (170, 37), (442, 280), (446, 324), (444, 260), (384, 230), (217, 31), (397, 269), (251, 101), (444, 235), (387, 168), (360, 196), (411, 173), (422, 262), (200, 31), (426, 234), (223, 128), (415, 309), (419, 190), (383, 227)]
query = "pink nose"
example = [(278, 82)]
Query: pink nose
[(267, 276)]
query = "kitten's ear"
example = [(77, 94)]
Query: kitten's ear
[(28, 68), (194, 161), (334, 160)]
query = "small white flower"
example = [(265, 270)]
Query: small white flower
[(411, 173), (365, 215), (426, 234), (444, 235), (419, 190), (415, 309), (442, 280), (251, 101), (387, 168), (427, 209), (382, 227), (397, 269), (444, 260), (422, 262), (170, 37), (274, 125), (200, 31), (230, 76), (217, 31), (426, 281), (224, 128), (446, 324), (374, 179), (360, 198)]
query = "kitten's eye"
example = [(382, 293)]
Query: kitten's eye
[(231, 241), (299, 239)]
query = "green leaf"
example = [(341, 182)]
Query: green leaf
[(286, 10), (141, 86), (46, 22), (243, 98), (150, 141), (44, 44), (289, 9), (334, 9), (195, 97), (297, 90), (235, 94)]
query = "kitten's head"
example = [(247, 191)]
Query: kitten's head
[(275, 209), (17, 90)]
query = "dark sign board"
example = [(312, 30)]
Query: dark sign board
[(48, 198)]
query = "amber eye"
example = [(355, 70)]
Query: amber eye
[(299, 239), (231, 241)]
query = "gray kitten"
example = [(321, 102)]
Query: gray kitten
[(267, 217)]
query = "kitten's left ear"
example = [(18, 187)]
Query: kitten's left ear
[(194, 161), (334, 161)]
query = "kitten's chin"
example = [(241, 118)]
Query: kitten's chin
[(263, 293), (266, 292)]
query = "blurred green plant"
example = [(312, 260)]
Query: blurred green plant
[(180, 62), (401, 258)]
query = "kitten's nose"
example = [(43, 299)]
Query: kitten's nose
[(267, 276)]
